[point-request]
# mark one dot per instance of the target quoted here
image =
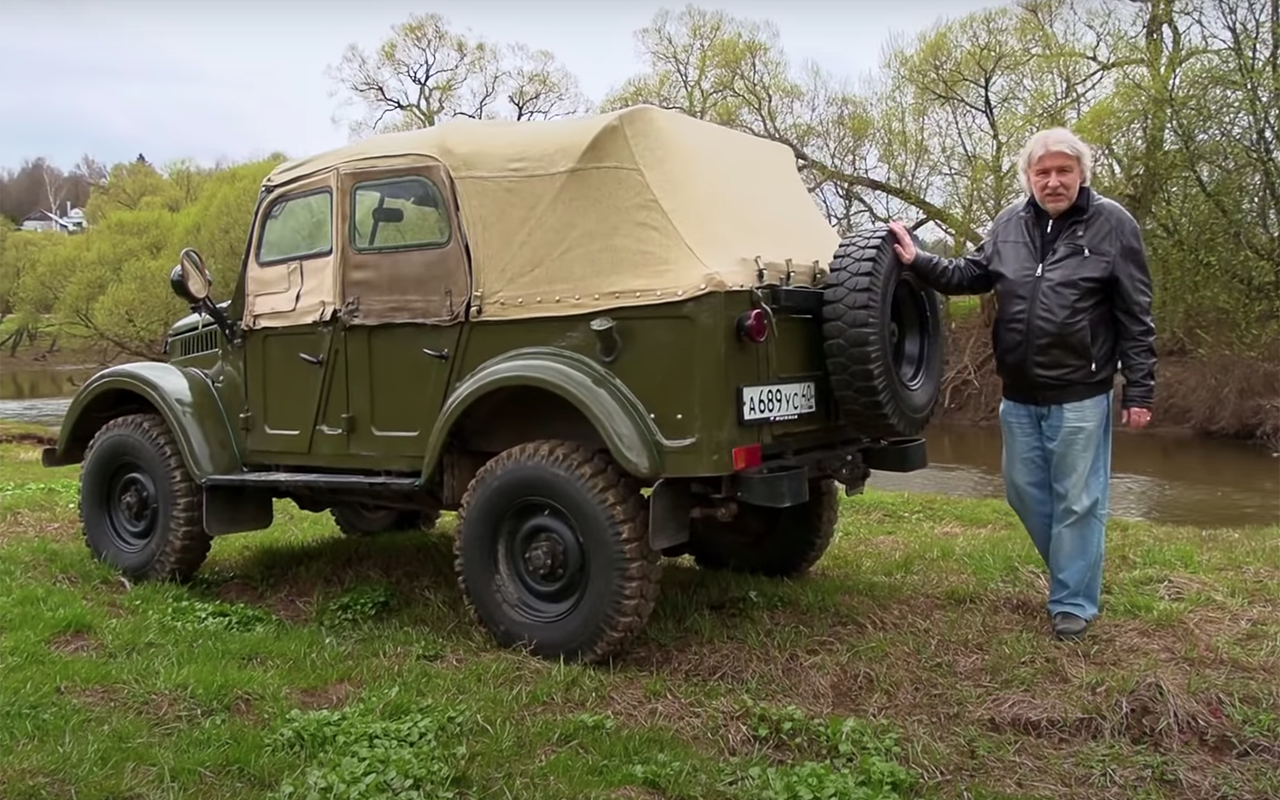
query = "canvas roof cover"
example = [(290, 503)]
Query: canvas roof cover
[(636, 206)]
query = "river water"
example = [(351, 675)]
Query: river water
[(1157, 476)]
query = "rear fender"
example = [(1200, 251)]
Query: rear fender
[(184, 397), (612, 409)]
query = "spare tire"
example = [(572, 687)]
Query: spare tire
[(882, 337)]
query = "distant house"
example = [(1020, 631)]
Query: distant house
[(73, 221)]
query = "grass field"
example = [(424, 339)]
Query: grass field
[(914, 662)]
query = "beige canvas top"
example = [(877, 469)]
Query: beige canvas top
[(636, 206)]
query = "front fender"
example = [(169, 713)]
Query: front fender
[(615, 412), (184, 397)]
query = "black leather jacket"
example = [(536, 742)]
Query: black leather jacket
[(1067, 320)]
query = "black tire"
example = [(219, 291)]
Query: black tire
[(772, 542), (142, 512), (359, 520), (882, 336), (579, 509)]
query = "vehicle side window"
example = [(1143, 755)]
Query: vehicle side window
[(297, 227), (398, 214)]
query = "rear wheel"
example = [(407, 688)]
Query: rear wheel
[(552, 552), (142, 512), (882, 335), (774, 542), (360, 519)]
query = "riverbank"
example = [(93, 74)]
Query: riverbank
[(12, 432), (915, 662), (51, 347), (1222, 397)]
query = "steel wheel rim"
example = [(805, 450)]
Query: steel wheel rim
[(908, 329), (541, 560), (133, 507)]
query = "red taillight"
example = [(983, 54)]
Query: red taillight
[(747, 457), (754, 325)]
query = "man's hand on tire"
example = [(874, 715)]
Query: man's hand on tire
[(905, 248)]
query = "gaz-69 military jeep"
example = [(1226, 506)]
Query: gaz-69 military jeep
[(530, 324)]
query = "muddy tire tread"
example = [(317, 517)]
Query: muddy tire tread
[(858, 365), (825, 512), (188, 544), (619, 495)]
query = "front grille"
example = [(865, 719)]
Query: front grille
[(189, 344)]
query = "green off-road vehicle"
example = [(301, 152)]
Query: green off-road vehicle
[(600, 341)]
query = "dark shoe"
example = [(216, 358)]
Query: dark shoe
[(1068, 626)]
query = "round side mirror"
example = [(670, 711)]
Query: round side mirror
[(190, 280)]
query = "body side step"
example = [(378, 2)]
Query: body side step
[(311, 480)]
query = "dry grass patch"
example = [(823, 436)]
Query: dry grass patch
[(74, 644), (24, 524), (334, 695)]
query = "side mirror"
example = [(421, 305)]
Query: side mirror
[(190, 280)]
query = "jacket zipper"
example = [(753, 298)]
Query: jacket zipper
[(1035, 295), (1032, 301), (1040, 267)]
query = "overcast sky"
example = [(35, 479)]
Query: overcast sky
[(236, 79)]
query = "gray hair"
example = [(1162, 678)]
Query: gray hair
[(1055, 140)]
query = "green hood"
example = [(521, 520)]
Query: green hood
[(194, 321)]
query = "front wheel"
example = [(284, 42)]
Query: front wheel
[(142, 512), (552, 552)]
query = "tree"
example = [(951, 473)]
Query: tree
[(976, 88), (539, 87), (1177, 98), (734, 72), (40, 186), (129, 186), (425, 73), (1223, 123), (690, 59)]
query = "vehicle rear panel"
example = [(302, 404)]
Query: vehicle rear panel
[(686, 364), (790, 358)]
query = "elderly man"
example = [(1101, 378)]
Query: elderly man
[(1073, 294)]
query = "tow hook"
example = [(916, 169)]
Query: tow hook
[(853, 474), (722, 511)]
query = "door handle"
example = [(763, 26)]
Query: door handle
[(310, 359), (440, 354)]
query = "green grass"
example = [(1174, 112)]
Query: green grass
[(914, 662), (963, 306)]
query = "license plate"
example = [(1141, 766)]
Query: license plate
[(775, 402)]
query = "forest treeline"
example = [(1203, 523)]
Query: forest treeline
[(1177, 97)]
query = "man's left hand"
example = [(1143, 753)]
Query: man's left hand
[(1136, 418)]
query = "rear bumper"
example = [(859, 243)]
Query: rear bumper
[(775, 488), (897, 455), (786, 482), (780, 482)]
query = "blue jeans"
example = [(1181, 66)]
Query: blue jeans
[(1057, 473)]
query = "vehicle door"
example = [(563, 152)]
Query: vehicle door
[(405, 283), (289, 322)]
